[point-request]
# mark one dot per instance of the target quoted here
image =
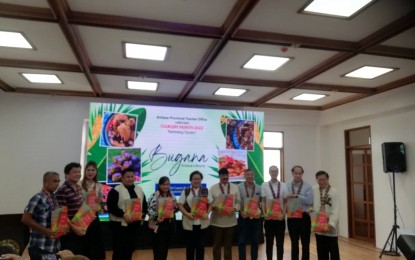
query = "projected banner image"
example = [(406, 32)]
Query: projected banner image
[(168, 141)]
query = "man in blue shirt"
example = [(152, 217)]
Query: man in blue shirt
[(300, 227), (37, 216)]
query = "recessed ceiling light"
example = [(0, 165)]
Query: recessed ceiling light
[(14, 39), (309, 97), (342, 8), (42, 78), (368, 72), (262, 62), (140, 85), (146, 52), (234, 92)]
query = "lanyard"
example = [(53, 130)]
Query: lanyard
[(50, 200), (193, 191), (253, 190), (299, 188), (325, 199), (273, 192), (228, 188)]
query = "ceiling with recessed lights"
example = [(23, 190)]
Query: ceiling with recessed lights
[(81, 42)]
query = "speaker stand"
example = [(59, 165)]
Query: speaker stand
[(393, 235)]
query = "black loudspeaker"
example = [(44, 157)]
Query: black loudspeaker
[(406, 243), (394, 157)]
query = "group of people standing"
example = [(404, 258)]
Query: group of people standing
[(73, 193), (299, 227), (37, 215)]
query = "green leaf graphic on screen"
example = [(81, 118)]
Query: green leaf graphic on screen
[(255, 157), (96, 152)]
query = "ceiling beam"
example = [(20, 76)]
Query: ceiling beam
[(54, 92), (284, 106), (293, 40), (5, 87), (139, 24), (139, 97), (394, 28), (244, 81), (39, 65), (26, 13), (344, 101), (61, 8), (396, 84), (141, 73), (391, 51), (336, 88), (238, 14)]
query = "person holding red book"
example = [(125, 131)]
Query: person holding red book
[(248, 222), (162, 218), (70, 195), (93, 246), (124, 229), (194, 225), (326, 198), (226, 202), (37, 216), (274, 191), (299, 227)]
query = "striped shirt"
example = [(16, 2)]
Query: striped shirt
[(70, 196), (40, 208)]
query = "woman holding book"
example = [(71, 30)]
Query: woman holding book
[(125, 219), (195, 203), (162, 206), (93, 246)]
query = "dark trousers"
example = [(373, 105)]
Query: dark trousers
[(195, 243), (161, 239), (299, 228), (327, 247), (92, 243), (248, 231), (36, 253), (222, 236), (72, 242), (123, 239), (274, 229)]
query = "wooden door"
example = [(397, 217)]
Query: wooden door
[(360, 186)]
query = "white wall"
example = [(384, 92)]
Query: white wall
[(391, 117)]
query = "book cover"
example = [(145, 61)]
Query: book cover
[(59, 221), (165, 207), (251, 208), (274, 210), (83, 217), (294, 208), (199, 207), (225, 204), (133, 209)]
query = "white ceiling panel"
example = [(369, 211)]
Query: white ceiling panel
[(282, 17), (286, 97), (404, 67), (105, 49), (236, 54), (49, 42), (117, 84), (71, 81), (206, 90)]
